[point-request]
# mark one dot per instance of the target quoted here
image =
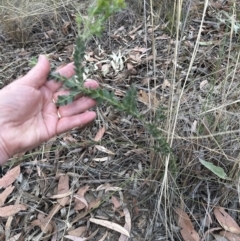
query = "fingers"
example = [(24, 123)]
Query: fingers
[(67, 71), (92, 84), (37, 76), (76, 107), (67, 123)]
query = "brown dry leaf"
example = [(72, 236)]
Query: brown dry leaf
[(116, 203), (129, 66), (105, 69), (61, 196), (74, 238), (104, 149), (45, 225), (63, 188), (11, 210), (83, 203), (94, 204), (139, 49), (108, 187), (135, 58), (138, 151), (78, 231), (4, 195), (123, 76), (165, 84), (110, 225), (135, 30), (203, 84), (15, 237), (127, 224), (100, 134), (135, 206), (69, 139), (145, 81), (226, 221), (66, 27), (230, 236), (164, 36), (188, 232), (69, 48), (144, 97), (102, 159), (10, 177), (51, 33), (80, 201)]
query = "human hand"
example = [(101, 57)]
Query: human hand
[(28, 115)]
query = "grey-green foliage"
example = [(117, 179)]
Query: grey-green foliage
[(97, 15)]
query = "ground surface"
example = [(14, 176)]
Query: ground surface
[(108, 171)]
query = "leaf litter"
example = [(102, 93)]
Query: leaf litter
[(75, 154)]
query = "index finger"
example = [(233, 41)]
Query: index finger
[(67, 71)]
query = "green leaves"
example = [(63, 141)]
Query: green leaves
[(216, 170), (130, 100), (104, 9), (65, 99), (32, 62)]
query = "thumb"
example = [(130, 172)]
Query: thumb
[(37, 76)]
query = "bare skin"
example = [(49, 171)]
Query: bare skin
[(28, 115)]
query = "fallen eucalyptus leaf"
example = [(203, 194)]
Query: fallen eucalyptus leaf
[(216, 170)]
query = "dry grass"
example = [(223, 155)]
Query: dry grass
[(22, 20), (195, 74), (203, 115)]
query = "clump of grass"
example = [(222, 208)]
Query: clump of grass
[(20, 19), (204, 120), (159, 9)]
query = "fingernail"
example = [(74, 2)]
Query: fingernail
[(40, 57)]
